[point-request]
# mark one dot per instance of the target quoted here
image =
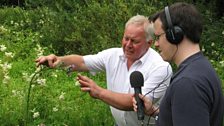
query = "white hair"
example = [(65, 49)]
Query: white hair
[(142, 20)]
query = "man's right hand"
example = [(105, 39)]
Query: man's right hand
[(148, 106), (51, 61)]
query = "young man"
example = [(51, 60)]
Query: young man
[(119, 63), (194, 97)]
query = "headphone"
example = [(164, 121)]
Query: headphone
[(174, 34)]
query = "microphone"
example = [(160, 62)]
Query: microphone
[(137, 81)]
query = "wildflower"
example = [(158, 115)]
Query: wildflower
[(55, 109), (32, 86), (37, 69), (41, 22), (41, 124), (33, 110), (39, 50), (6, 79), (62, 97), (9, 54), (21, 23), (77, 83), (16, 24), (6, 66), (212, 61), (213, 44), (41, 81), (222, 63), (26, 76), (203, 49), (2, 29), (2, 48), (54, 75), (14, 92), (36, 114)]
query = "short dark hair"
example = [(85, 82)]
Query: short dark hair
[(184, 15)]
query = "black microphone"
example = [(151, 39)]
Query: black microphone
[(137, 81)]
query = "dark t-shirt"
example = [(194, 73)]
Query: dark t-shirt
[(194, 97)]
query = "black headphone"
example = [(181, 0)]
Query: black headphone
[(174, 34)]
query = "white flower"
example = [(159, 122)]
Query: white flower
[(3, 29), (41, 22), (2, 48), (36, 114), (37, 69), (9, 54), (39, 50), (6, 66), (54, 75), (222, 63), (77, 83), (16, 24), (41, 124), (14, 92), (41, 81), (26, 77), (32, 75), (62, 97), (203, 49), (32, 86), (55, 109), (34, 109), (6, 79), (213, 44), (223, 32), (17, 93)]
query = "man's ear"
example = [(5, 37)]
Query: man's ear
[(150, 42)]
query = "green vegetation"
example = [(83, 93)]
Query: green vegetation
[(41, 27)]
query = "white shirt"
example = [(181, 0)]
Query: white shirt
[(113, 61)]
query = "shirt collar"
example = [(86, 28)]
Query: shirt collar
[(142, 59)]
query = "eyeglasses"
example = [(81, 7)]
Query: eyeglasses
[(156, 37)]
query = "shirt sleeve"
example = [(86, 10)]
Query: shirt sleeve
[(96, 63), (189, 102)]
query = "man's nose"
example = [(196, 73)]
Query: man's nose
[(129, 43)]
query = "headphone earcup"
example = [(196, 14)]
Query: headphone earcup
[(175, 35)]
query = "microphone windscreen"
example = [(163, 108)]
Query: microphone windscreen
[(136, 79)]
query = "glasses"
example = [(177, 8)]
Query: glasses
[(156, 37)]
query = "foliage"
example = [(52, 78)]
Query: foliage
[(86, 27), (54, 99)]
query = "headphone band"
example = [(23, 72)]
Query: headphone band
[(168, 18), (174, 34), (169, 21)]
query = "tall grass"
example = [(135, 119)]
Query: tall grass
[(42, 96)]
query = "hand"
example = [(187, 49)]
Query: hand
[(51, 61), (148, 106), (88, 85)]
